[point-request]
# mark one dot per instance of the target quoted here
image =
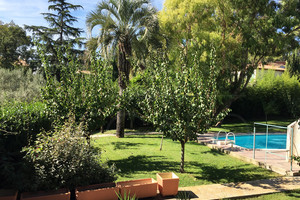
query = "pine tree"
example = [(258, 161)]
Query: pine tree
[(60, 34)]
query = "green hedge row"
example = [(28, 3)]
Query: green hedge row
[(21, 121), (270, 95)]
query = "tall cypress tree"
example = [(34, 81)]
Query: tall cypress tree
[(60, 33)]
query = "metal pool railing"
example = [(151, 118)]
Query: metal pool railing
[(267, 134)]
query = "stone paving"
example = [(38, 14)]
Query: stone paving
[(243, 189)]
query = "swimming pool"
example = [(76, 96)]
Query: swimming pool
[(275, 141)]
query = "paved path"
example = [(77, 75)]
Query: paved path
[(244, 189)]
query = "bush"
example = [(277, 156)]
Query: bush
[(20, 85), (64, 159), (270, 95), (20, 122)]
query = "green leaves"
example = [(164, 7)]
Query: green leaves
[(180, 102), (64, 159), (91, 95), (13, 44)]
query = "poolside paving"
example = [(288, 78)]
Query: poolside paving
[(274, 160)]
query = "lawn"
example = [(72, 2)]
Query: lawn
[(288, 195), (138, 156)]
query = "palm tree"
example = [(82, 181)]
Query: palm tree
[(125, 26)]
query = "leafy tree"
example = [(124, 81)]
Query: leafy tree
[(293, 63), (13, 45), (181, 103), (61, 32), (243, 32), (125, 26), (90, 95)]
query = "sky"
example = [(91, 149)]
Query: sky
[(29, 11)]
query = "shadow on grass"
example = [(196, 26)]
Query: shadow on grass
[(205, 172), (144, 163), (144, 136), (126, 145), (293, 193), (214, 152), (228, 174)]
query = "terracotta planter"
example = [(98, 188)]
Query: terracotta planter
[(8, 194), (167, 183), (62, 194), (140, 188), (106, 191)]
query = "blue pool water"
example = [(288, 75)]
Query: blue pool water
[(274, 141)]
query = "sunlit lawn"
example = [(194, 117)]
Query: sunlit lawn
[(138, 156)]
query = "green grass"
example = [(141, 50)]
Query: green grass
[(248, 127), (138, 156), (138, 130), (294, 194)]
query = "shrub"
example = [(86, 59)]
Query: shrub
[(64, 159), (270, 95), (20, 122), (20, 85)]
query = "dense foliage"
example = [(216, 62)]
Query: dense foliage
[(20, 122), (126, 27), (244, 32), (181, 102), (64, 159), (20, 85), (13, 46), (293, 63), (270, 95), (91, 95), (60, 32)]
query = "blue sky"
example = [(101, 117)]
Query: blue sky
[(29, 11)]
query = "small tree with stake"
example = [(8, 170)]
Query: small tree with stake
[(180, 102)]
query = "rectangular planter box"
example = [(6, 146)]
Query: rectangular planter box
[(62, 194), (106, 191), (8, 194), (141, 188), (167, 183)]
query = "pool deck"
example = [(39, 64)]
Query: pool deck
[(272, 159)]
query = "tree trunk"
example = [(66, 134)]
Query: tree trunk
[(182, 157), (120, 126), (123, 79), (120, 123)]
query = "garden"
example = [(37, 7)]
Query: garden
[(164, 76)]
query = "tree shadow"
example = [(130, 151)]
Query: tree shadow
[(144, 163), (144, 136), (215, 152), (227, 174), (125, 145), (293, 193)]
